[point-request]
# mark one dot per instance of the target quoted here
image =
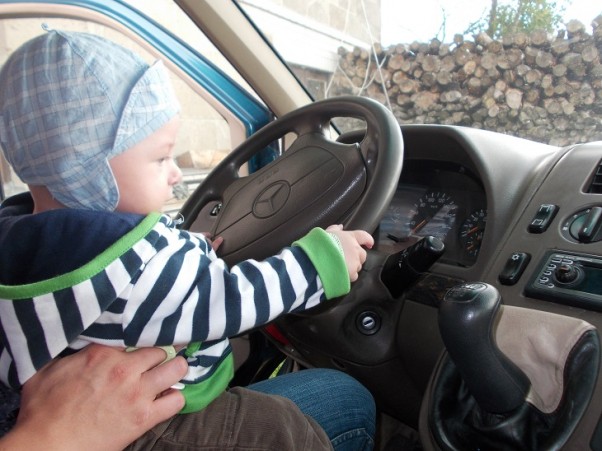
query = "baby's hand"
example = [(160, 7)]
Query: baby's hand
[(352, 242), (215, 242)]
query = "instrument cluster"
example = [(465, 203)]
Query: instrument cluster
[(441, 199)]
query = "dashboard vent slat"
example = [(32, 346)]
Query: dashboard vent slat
[(595, 186)]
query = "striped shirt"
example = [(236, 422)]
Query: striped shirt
[(159, 286)]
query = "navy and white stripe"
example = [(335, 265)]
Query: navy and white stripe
[(167, 289)]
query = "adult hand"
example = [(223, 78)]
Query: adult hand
[(353, 243), (97, 399)]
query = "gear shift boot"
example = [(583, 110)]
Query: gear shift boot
[(558, 355)]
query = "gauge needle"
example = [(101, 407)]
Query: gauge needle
[(473, 230), (420, 225)]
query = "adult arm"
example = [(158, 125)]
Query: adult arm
[(97, 399)]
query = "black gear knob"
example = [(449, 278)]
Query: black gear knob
[(467, 318)]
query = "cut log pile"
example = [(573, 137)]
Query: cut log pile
[(538, 86)]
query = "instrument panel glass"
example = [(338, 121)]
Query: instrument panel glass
[(439, 199)]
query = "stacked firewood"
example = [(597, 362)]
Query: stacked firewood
[(538, 86)]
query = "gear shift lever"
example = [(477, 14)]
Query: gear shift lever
[(467, 318)]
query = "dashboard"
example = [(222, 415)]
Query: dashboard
[(442, 199), (483, 194)]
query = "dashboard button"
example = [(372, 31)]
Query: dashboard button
[(542, 219), (514, 268)]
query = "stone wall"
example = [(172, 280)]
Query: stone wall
[(536, 86)]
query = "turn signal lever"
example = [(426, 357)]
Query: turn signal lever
[(404, 268), (467, 317)]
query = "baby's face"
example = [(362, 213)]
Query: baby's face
[(146, 173)]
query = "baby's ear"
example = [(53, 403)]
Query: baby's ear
[(43, 200)]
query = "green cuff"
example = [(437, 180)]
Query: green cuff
[(199, 395), (326, 254)]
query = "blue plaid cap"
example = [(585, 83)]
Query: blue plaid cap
[(69, 102)]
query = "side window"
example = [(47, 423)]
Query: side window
[(207, 133)]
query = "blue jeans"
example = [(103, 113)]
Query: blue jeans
[(338, 403)]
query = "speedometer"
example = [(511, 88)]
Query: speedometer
[(433, 214)]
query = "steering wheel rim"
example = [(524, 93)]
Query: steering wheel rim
[(315, 183)]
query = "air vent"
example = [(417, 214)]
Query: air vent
[(595, 186)]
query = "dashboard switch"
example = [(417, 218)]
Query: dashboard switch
[(514, 268), (543, 218)]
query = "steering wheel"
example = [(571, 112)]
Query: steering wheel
[(316, 182)]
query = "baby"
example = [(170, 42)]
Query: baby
[(87, 256)]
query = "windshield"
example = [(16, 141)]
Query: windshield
[(529, 68)]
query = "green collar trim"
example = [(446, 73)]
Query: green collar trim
[(87, 271)]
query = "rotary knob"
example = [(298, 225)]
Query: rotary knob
[(567, 274)]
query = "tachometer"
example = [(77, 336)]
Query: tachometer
[(471, 232), (433, 214)]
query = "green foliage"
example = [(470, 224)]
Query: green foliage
[(520, 16)]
